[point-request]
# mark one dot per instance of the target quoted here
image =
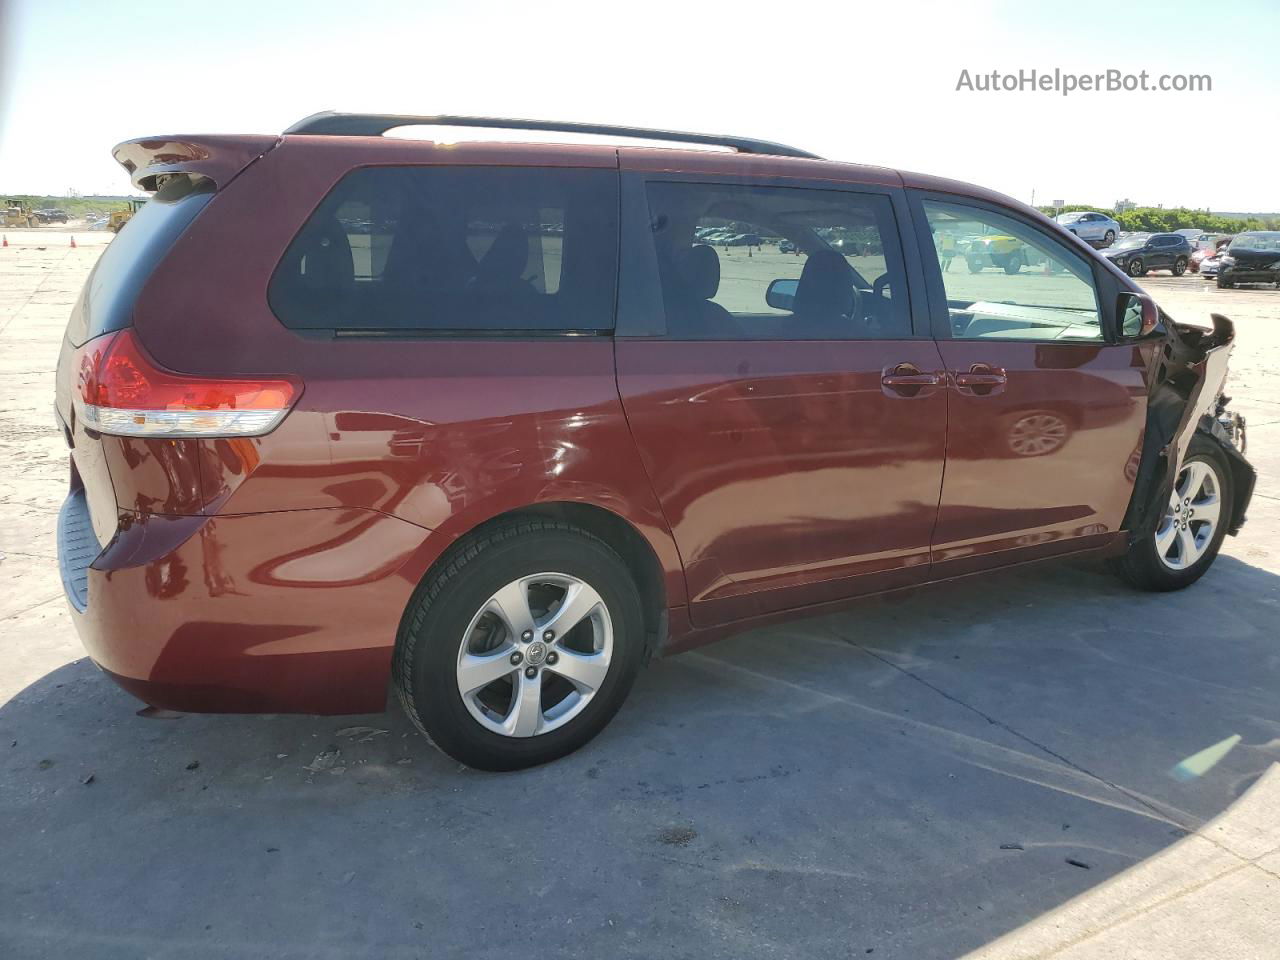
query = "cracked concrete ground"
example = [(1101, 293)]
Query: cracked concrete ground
[(983, 769)]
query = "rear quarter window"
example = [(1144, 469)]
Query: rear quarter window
[(106, 302), (455, 249)]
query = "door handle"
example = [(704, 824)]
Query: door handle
[(981, 380), (907, 380)]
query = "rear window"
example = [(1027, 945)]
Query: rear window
[(455, 249), (106, 302)]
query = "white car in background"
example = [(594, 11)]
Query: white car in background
[(1096, 228)]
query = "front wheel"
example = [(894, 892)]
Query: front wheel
[(1180, 266), (1189, 535), (1012, 263), (522, 648), (1137, 268)]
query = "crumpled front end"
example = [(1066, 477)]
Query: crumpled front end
[(1186, 397)]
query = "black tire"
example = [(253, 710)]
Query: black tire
[(1224, 284), (1141, 567), (1109, 239), (1012, 263), (975, 264), (1137, 268), (1180, 266), (433, 627)]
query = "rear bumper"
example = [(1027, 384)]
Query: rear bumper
[(289, 612)]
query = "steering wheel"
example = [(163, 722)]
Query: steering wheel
[(882, 281)]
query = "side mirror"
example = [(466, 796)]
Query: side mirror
[(1138, 315), (781, 294)]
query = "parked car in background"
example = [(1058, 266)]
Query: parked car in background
[(395, 437), (1210, 265), (1207, 246), (1137, 254), (1252, 257), (51, 216), (1096, 228)]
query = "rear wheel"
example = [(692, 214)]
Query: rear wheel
[(1224, 284), (975, 264), (522, 648), (1187, 539), (1012, 263), (1180, 266), (1110, 238)]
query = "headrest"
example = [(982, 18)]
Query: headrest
[(699, 268), (505, 260), (826, 286)]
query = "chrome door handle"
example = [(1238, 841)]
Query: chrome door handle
[(981, 380), (907, 380)]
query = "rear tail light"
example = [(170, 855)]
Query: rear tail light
[(121, 391)]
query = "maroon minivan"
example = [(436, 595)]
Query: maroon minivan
[(496, 422)]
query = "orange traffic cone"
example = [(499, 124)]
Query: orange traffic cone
[(73, 243)]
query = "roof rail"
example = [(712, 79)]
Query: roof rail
[(329, 123)]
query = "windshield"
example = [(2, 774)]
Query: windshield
[(1128, 243), (1267, 241)]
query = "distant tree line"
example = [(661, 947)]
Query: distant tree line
[(74, 206), (1159, 220)]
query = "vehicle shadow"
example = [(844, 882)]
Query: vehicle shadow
[(916, 777)]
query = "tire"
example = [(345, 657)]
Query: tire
[(1137, 268), (1109, 239), (1150, 563), (1180, 266), (453, 610), (975, 264), (1012, 263), (1224, 284)]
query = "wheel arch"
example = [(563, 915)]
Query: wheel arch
[(660, 586)]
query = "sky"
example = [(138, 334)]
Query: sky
[(866, 82)]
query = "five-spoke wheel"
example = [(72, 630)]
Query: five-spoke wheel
[(1195, 508), (1182, 546), (521, 645), (535, 654)]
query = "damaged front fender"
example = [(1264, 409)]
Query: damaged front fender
[(1188, 373)]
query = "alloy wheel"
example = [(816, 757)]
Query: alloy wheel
[(535, 654), (1186, 532)]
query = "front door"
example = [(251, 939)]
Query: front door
[(1046, 417), (791, 423), (1159, 253)]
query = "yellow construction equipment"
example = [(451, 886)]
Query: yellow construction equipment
[(18, 214), (120, 217)]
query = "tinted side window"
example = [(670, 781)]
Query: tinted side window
[(1007, 280), (106, 303), (455, 249), (744, 262)]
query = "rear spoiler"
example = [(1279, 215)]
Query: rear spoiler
[(217, 158)]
